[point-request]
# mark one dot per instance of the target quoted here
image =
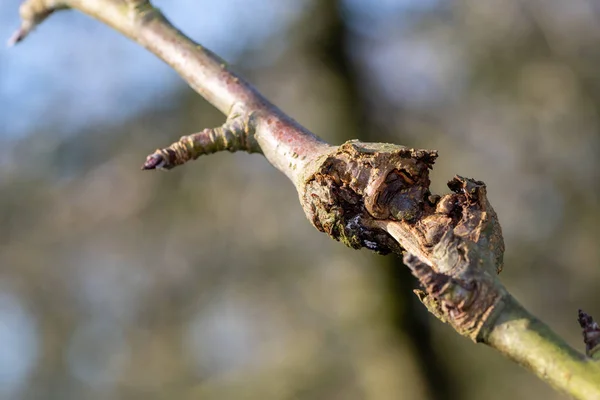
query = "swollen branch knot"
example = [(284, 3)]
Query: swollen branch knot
[(357, 184), (235, 135), (376, 195), (591, 335)]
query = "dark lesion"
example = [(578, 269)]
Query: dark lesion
[(591, 334), (362, 182)]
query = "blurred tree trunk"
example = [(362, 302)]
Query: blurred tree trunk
[(410, 318)]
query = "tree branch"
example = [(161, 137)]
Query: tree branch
[(236, 134), (526, 340), (372, 195), (277, 136)]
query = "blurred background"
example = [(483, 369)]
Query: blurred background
[(207, 282)]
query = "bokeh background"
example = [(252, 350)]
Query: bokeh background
[(207, 282)]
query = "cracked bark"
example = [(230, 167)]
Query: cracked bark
[(333, 49), (372, 195)]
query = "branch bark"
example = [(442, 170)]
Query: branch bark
[(372, 195)]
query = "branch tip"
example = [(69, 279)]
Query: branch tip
[(154, 161), (33, 13), (16, 37)]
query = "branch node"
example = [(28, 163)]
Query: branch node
[(137, 3), (142, 10), (591, 334)]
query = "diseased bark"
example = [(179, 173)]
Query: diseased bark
[(333, 50), (372, 195)]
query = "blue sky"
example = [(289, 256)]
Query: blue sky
[(97, 75)]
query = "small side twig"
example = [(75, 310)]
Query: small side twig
[(32, 14), (236, 134)]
